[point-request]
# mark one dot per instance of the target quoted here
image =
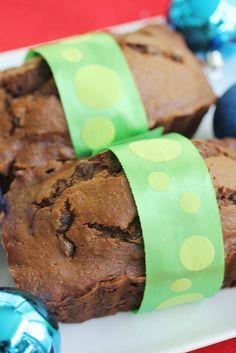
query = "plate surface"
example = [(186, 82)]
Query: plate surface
[(175, 330)]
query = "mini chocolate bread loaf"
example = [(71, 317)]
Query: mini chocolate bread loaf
[(34, 140), (75, 239)]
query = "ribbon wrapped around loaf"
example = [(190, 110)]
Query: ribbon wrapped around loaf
[(101, 100), (137, 227), (79, 241)]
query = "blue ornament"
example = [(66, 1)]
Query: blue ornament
[(225, 114), (206, 25), (2, 205), (25, 324)]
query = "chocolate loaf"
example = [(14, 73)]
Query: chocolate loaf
[(34, 140), (75, 239)]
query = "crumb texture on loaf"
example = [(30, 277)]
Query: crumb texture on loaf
[(34, 140), (75, 239)]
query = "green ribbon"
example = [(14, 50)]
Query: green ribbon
[(98, 93), (176, 204)]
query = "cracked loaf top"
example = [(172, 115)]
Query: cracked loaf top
[(34, 139), (75, 239)]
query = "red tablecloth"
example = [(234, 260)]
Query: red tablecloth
[(27, 22), (223, 347)]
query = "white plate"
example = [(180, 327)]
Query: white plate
[(175, 330)]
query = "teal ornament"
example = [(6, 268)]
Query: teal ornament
[(205, 25), (203, 10), (25, 324)]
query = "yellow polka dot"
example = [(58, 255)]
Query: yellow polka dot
[(181, 285), (189, 202), (159, 181), (197, 253), (181, 299), (98, 132), (156, 150), (98, 86), (72, 54)]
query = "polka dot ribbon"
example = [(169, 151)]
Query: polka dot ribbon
[(179, 216), (99, 96)]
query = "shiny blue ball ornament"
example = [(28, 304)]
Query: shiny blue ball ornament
[(206, 25), (25, 324), (2, 205), (225, 114)]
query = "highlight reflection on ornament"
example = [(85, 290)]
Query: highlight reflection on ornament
[(25, 324)]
